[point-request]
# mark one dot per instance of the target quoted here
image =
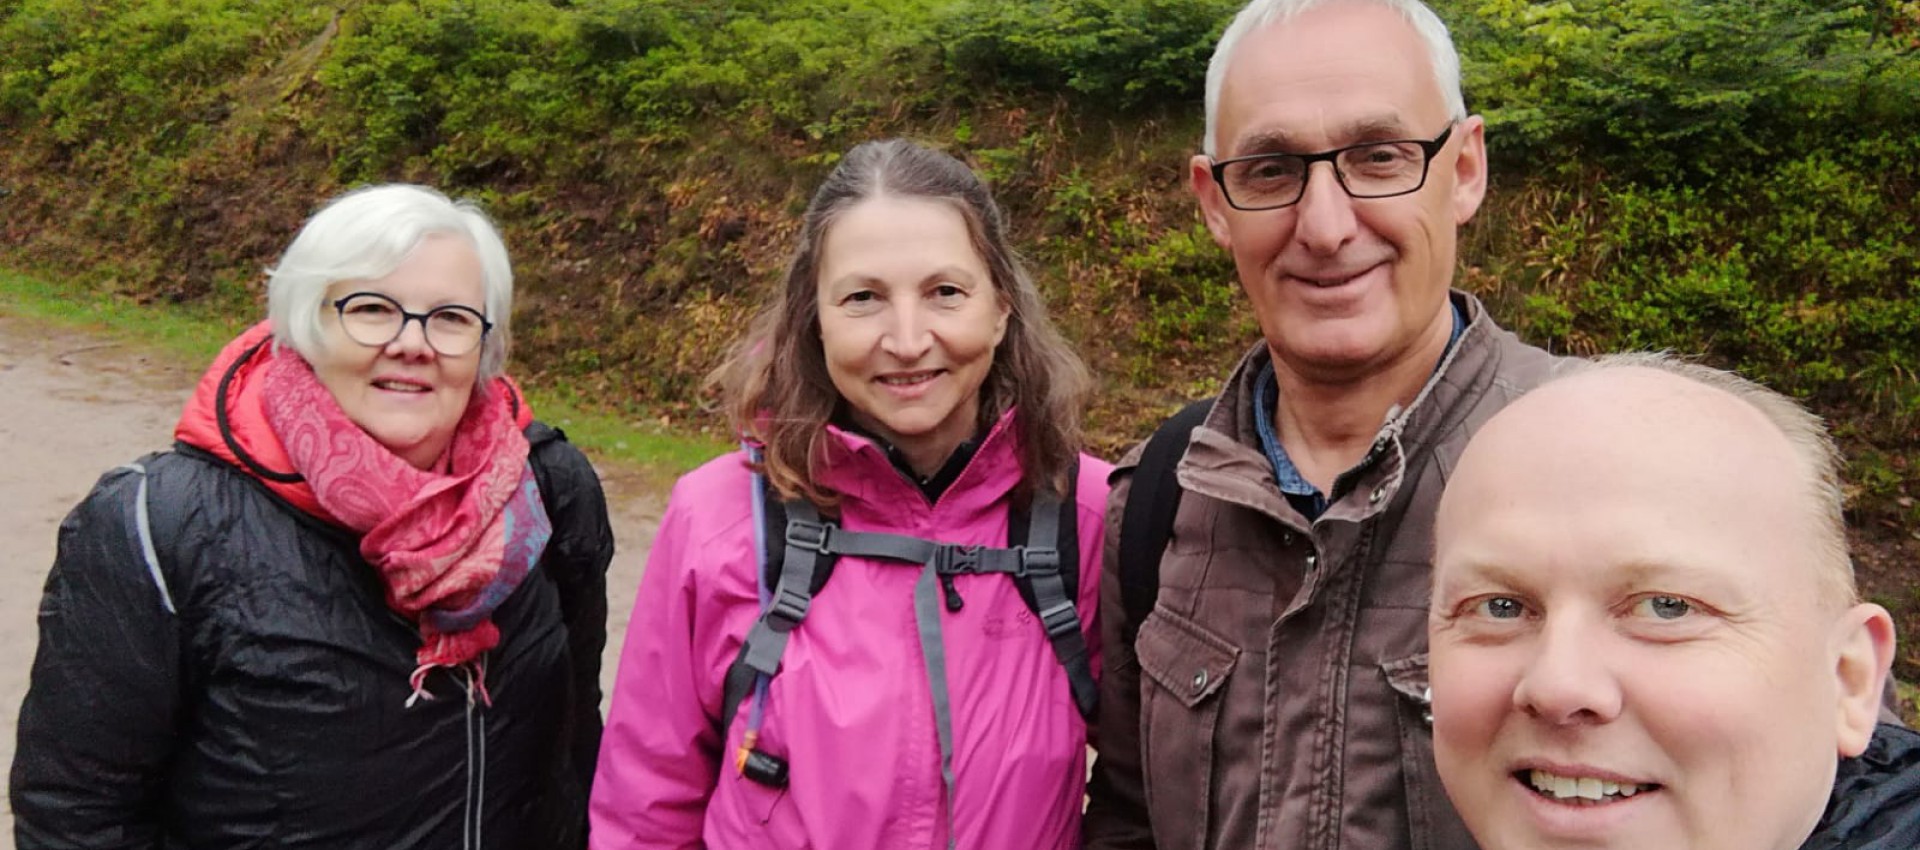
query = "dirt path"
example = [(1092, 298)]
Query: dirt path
[(79, 405)]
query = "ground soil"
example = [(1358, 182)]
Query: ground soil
[(78, 405)]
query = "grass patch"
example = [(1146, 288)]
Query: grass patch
[(180, 332), (194, 336), (1909, 702)]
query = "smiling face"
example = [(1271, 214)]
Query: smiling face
[(1631, 645), (404, 394), (909, 318), (1342, 287)]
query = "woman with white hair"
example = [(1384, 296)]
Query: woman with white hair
[(361, 602)]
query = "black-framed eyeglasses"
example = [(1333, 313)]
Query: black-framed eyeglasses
[(1383, 169), (373, 320)]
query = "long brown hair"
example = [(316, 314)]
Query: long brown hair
[(775, 384)]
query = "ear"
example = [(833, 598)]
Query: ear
[(1469, 168), (1863, 655), (1213, 203), (1000, 321)]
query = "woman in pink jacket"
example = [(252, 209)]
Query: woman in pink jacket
[(914, 668)]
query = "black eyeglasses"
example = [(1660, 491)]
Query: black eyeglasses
[(373, 320), (1269, 181)]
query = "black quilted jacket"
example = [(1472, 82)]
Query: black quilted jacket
[(252, 694)]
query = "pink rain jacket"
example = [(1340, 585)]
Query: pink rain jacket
[(850, 709)]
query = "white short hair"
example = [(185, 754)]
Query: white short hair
[(1820, 459), (364, 235), (1260, 13)]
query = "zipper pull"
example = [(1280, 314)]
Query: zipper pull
[(951, 594)]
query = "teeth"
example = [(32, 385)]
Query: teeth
[(908, 380), (1584, 788)]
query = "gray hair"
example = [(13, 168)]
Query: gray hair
[(364, 235), (1260, 13), (1820, 459)]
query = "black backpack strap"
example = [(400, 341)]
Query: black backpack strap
[(805, 540), (1044, 585), (1147, 522)]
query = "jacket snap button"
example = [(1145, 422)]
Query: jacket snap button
[(1200, 681), (1378, 494)]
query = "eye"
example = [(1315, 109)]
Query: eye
[(1275, 168), (372, 308), (948, 291), (1498, 608), (863, 296), (1662, 607), (455, 318)]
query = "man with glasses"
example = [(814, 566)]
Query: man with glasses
[(1272, 692)]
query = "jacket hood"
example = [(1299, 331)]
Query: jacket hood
[(1876, 797), (226, 418)]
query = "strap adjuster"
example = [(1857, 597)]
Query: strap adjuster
[(1038, 560), (787, 608), (812, 536), (1060, 619)]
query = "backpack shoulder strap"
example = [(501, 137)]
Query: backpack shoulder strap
[(1050, 584), (151, 543), (1147, 521), (791, 535)]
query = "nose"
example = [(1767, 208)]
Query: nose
[(1569, 680), (1323, 218), (411, 343), (909, 335)]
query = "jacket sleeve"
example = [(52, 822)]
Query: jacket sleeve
[(582, 548), (660, 759), (1116, 795), (102, 708)]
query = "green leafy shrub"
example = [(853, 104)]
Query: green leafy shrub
[(1111, 52), (1665, 90)]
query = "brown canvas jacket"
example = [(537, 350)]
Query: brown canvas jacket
[(1277, 695)]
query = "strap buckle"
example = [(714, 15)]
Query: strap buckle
[(949, 559)]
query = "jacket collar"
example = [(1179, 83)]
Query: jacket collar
[(1875, 803), (857, 467), (1226, 462)]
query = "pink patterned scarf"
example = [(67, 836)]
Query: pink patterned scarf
[(450, 547)]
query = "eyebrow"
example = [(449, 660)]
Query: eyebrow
[(954, 273), (1371, 128), (1638, 574)]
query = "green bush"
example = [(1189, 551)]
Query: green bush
[(1665, 90), (1805, 275), (1109, 52), (113, 79)]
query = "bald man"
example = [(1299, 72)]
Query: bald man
[(1645, 631)]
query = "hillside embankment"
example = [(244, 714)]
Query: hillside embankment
[(1733, 179)]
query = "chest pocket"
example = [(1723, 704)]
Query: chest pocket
[(1186, 667)]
